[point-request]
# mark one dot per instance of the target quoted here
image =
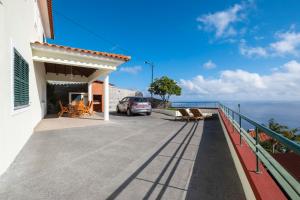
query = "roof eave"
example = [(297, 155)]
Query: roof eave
[(45, 7), (112, 57), (50, 14)]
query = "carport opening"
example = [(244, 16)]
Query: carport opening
[(66, 92)]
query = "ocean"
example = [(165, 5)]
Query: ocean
[(283, 112)]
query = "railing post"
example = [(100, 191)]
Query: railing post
[(240, 124), (256, 149), (232, 121)]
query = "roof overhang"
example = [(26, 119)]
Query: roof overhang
[(48, 53), (45, 7), (64, 83)]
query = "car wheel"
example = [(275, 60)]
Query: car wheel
[(148, 113), (129, 113)]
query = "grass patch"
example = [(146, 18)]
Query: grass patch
[(171, 108)]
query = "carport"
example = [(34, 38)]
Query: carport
[(73, 65)]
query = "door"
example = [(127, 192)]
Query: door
[(97, 102), (122, 104)]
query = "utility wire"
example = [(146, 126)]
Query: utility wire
[(97, 35)]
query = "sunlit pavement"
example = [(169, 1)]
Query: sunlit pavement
[(137, 157)]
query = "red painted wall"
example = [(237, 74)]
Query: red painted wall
[(262, 184)]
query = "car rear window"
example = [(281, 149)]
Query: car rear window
[(140, 100)]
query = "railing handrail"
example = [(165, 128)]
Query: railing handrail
[(289, 184), (289, 143)]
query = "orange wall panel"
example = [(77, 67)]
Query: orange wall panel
[(97, 89)]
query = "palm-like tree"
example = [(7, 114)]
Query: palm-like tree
[(285, 131)]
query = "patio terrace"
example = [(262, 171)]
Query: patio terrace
[(137, 157)]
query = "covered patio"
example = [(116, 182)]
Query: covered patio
[(75, 67)]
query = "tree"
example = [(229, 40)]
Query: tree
[(164, 87), (283, 130), (138, 94)]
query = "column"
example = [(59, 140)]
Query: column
[(90, 91), (106, 98)]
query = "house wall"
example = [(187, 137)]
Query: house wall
[(20, 24), (116, 94)]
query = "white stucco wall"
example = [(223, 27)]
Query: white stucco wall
[(116, 94), (19, 25)]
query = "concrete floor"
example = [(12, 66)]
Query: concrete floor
[(137, 157), (52, 122)]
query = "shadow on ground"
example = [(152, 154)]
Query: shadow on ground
[(213, 171), (214, 175), (131, 178)]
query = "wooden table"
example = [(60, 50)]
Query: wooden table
[(76, 110)]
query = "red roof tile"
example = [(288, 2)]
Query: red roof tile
[(99, 53), (262, 136)]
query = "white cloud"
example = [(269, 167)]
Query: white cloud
[(209, 65), (288, 43), (292, 66), (252, 51), (282, 84), (131, 70), (222, 21)]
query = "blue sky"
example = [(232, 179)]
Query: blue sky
[(216, 50)]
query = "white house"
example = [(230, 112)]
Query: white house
[(27, 63)]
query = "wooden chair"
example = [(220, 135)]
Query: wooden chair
[(205, 115), (63, 109), (80, 108), (197, 113), (87, 109), (186, 115)]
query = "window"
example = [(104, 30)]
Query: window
[(77, 96), (124, 99), (139, 99), (21, 81)]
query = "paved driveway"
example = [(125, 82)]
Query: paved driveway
[(127, 158)]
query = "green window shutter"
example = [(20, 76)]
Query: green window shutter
[(21, 81)]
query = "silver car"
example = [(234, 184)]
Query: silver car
[(132, 105)]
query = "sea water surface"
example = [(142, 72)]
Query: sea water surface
[(283, 112)]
